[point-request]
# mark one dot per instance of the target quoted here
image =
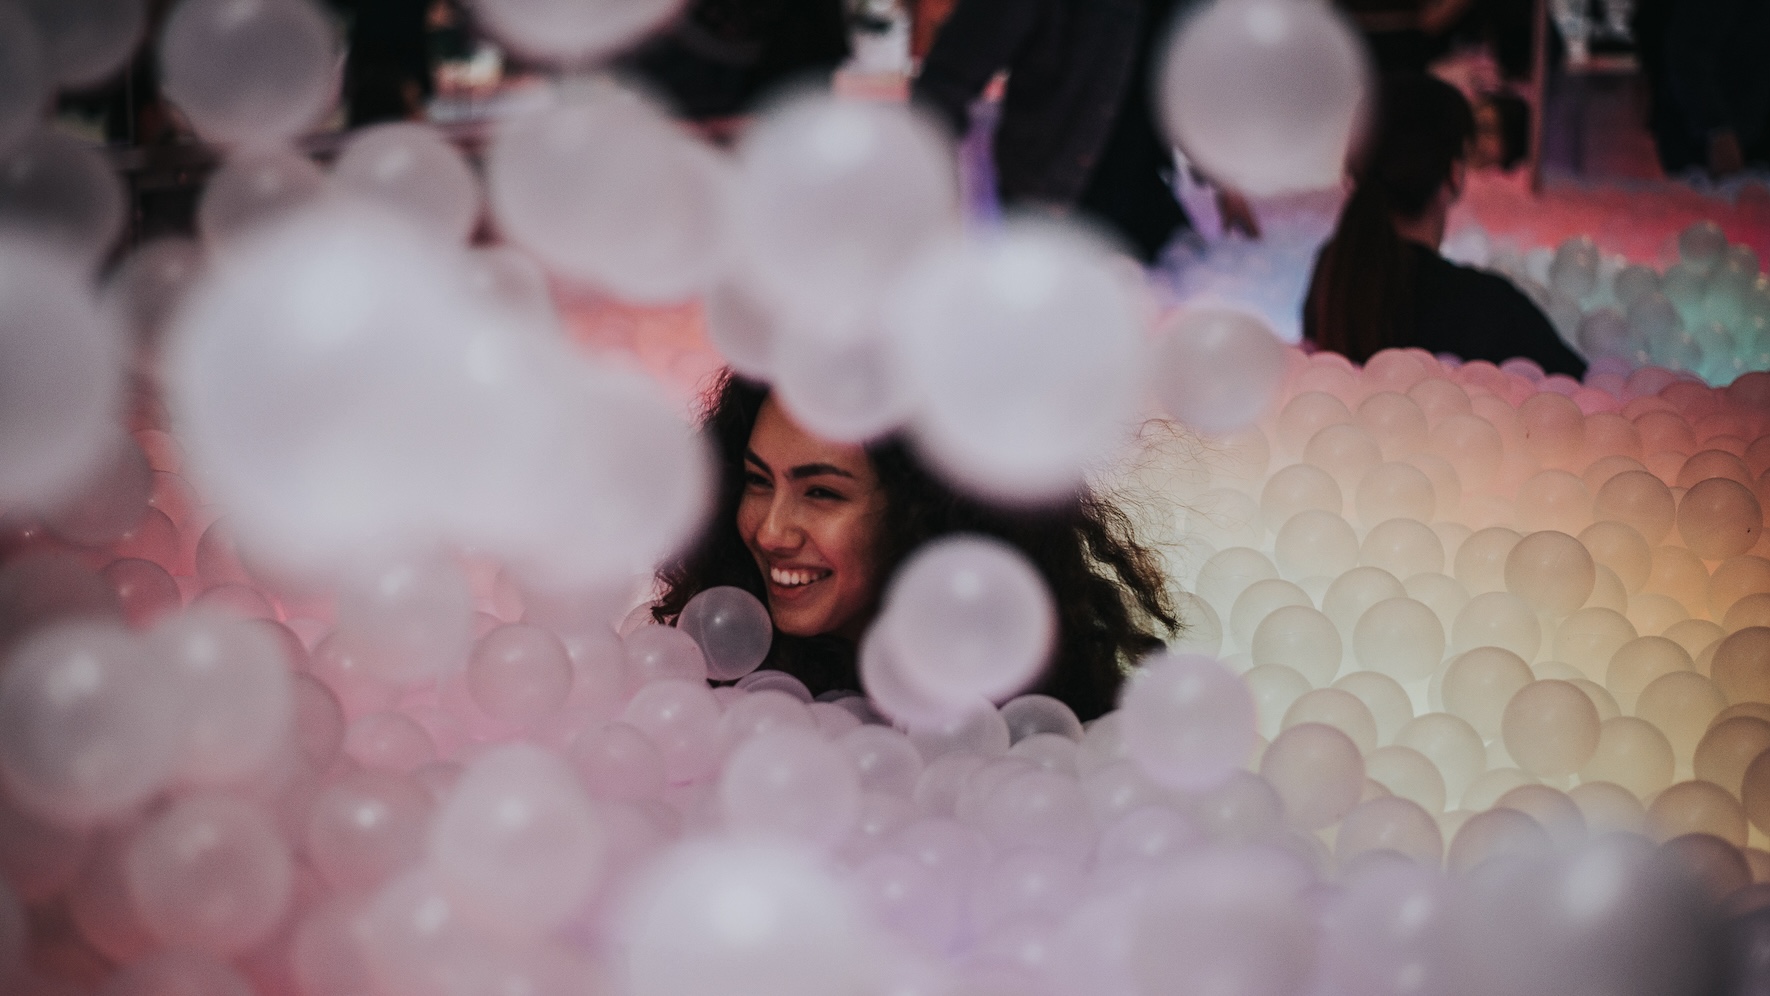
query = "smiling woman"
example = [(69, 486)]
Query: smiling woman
[(815, 529)]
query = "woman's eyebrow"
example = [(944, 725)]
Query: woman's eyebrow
[(805, 470), (761, 464)]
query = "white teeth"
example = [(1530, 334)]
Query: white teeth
[(795, 579)]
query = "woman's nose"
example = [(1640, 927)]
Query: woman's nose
[(780, 529)]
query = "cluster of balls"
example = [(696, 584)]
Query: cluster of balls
[(1707, 314), (1505, 735)]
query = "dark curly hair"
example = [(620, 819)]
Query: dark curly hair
[(1111, 601)]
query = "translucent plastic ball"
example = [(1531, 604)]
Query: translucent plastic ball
[(1697, 807), (60, 193), (1395, 491), (249, 74), (86, 41), (603, 188), (253, 188), (1682, 704), (1354, 592), (366, 827), (1451, 744), (682, 718), (1299, 487), (1317, 772), (24, 76), (391, 741), (233, 682), (519, 674), (625, 483), (1478, 684), (253, 364), (1389, 824), (1026, 347), (616, 761), (1315, 543), (1407, 774), (1720, 518), (1637, 663), (518, 840), (1177, 940), (210, 873), (1633, 754), (90, 727), (1336, 708), (789, 783), (1728, 748), (573, 33), (1401, 638), (1737, 667), (852, 389), (413, 169), (411, 618), (733, 629), (833, 199), (1188, 721), (1266, 97), (716, 917), (1550, 728), (1498, 619), (1217, 369), (1552, 571), (971, 617), (1031, 715), (1638, 499), (1298, 637)]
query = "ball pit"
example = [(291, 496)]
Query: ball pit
[(335, 675)]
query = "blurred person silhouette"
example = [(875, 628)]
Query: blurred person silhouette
[(387, 73), (1380, 282), (1406, 35), (1077, 128), (720, 57), (815, 530), (1707, 64)]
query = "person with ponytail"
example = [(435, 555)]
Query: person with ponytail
[(1380, 281)]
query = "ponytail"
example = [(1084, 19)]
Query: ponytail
[(1361, 300)]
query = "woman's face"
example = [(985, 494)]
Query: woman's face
[(811, 514)]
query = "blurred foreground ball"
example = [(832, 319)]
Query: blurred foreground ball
[(573, 32), (1265, 96), (249, 72), (1217, 369)]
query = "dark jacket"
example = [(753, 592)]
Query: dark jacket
[(1070, 62), (1475, 315)]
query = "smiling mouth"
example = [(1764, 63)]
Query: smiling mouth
[(796, 578)]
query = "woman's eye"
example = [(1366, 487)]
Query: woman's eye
[(822, 492), (755, 481)]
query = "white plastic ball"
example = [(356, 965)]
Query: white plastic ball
[(834, 197), (603, 188), (1267, 96), (211, 873), (518, 839), (413, 169), (62, 194), (1217, 369), (1026, 347), (1188, 721), (971, 617), (249, 72), (89, 727), (573, 33)]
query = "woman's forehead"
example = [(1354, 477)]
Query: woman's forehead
[(783, 444)]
